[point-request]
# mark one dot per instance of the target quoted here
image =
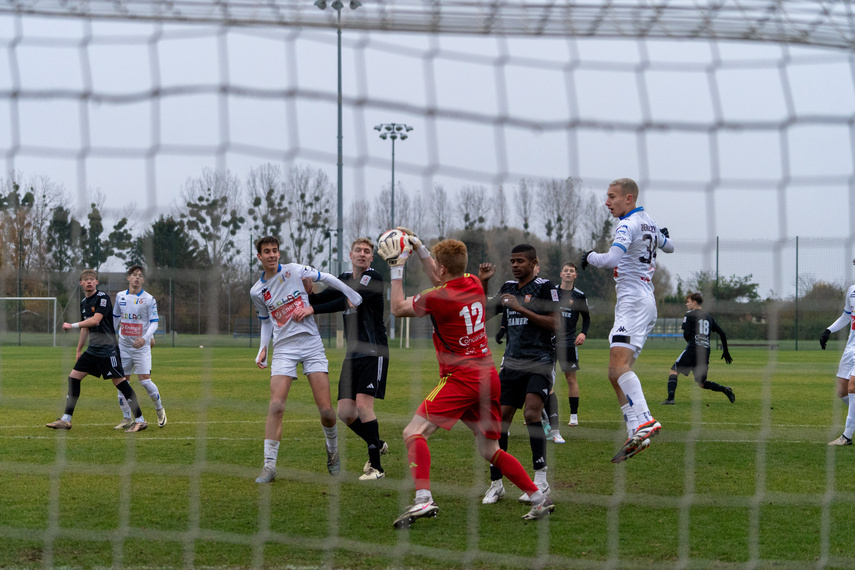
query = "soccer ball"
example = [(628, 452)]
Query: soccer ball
[(392, 244)]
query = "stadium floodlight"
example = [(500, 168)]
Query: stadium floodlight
[(394, 131), (337, 5)]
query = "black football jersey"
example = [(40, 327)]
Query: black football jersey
[(364, 327), (697, 326), (102, 337), (526, 341), (572, 304)]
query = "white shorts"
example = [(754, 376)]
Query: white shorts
[(845, 370), (307, 349), (635, 317), (135, 360)]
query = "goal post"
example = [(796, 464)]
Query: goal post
[(53, 313)]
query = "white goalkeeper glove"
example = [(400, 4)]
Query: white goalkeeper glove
[(415, 242), (394, 257)]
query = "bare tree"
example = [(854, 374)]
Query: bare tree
[(357, 222), (383, 208), (473, 207), (310, 195), (596, 221), (26, 211), (418, 216), (524, 201), (268, 208), (560, 202), (500, 209), (212, 210), (441, 210)]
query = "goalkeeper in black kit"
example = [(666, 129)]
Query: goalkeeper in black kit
[(697, 326)]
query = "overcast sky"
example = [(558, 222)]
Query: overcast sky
[(742, 141)]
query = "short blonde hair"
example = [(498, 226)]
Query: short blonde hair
[(627, 185), (452, 255), (363, 240), (88, 273)]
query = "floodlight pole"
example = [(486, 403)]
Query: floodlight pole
[(393, 131), (337, 5)]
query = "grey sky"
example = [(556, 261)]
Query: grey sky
[(778, 165)]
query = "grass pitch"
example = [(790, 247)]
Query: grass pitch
[(724, 485)]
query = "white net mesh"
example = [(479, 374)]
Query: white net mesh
[(739, 147)]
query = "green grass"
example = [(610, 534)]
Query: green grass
[(723, 486)]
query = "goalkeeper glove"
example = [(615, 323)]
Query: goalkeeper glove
[(823, 340), (726, 356), (389, 252), (415, 242), (665, 232), (585, 259), (500, 335)]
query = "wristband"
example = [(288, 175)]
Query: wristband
[(75, 325), (397, 272), (423, 252)]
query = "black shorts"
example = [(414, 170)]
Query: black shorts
[(100, 366), (517, 383), (568, 357), (363, 375), (696, 361)]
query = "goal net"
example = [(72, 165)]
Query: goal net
[(176, 133)]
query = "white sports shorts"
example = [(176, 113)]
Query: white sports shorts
[(307, 349), (135, 360), (845, 370), (634, 319)]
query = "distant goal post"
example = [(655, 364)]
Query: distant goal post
[(18, 317)]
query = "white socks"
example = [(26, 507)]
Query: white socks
[(630, 419), (850, 419), (331, 434), (271, 452), (152, 392), (631, 386), (540, 476), (423, 496)]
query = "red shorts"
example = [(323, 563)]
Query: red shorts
[(471, 396)]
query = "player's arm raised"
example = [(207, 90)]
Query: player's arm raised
[(428, 263)]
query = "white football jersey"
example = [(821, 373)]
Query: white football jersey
[(136, 313), (280, 296), (639, 237), (849, 310)]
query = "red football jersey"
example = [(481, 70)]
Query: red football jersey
[(456, 309)]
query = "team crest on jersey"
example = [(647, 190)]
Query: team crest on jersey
[(554, 295), (265, 294), (528, 298), (287, 274), (365, 279)]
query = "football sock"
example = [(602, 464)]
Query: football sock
[(537, 439), (540, 476), (271, 452), (372, 438), (418, 454), (574, 404), (551, 408), (707, 385), (672, 386), (151, 390), (357, 427), (423, 496), (631, 386), (125, 388), (514, 471), (630, 419), (123, 404), (850, 420), (495, 472), (72, 397), (331, 434)]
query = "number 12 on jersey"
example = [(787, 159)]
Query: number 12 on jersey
[(474, 312)]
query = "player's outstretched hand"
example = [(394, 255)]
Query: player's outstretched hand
[(486, 271), (726, 356), (665, 232), (585, 259), (392, 253), (500, 335), (413, 238), (823, 340)]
